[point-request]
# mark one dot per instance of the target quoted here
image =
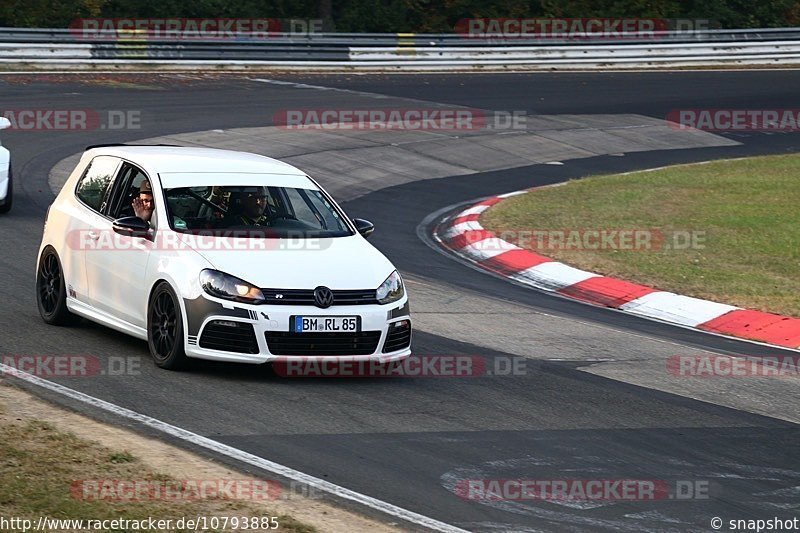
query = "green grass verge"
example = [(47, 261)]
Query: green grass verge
[(747, 211), (38, 464)]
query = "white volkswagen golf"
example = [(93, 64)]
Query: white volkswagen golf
[(232, 257), (6, 187)]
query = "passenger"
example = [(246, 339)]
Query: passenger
[(143, 204)]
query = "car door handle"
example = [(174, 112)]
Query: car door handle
[(94, 235)]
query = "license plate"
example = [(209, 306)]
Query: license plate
[(325, 324)]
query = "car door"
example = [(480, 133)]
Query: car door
[(116, 269), (85, 220)]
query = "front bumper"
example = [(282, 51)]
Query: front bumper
[(207, 318), (5, 174), (3, 190)]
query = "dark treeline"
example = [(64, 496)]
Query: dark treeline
[(436, 16)]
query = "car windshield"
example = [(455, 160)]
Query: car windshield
[(254, 211)]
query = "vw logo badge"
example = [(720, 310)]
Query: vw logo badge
[(323, 297)]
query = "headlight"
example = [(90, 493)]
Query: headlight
[(390, 290), (228, 287)]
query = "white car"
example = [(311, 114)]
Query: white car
[(244, 259), (6, 190)]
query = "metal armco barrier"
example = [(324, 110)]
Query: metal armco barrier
[(49, 48)]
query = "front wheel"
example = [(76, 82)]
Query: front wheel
[(165, 328), (51, 293)]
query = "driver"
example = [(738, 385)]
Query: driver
[(247, 207)]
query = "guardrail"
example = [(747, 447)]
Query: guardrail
[(50, 48)]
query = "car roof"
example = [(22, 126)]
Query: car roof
[(161, 159)]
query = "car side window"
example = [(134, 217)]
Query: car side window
[(93, 187), (127, 188)]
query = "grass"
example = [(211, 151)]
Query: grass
[(121, 457), (748, 212), (38, 465)]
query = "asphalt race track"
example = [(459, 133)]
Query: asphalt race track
[(410, 442)]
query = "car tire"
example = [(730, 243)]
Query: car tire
[(165, 328), (51, 291), (6, 207)]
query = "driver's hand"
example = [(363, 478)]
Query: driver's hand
[(138, 207)]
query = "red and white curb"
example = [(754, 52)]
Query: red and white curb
[(465, 236)]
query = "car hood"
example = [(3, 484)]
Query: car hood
[(337, 263)]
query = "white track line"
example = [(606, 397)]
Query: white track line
[(298, 85), (234, 453)]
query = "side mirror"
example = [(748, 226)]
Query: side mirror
[(364, 227), (4, 123), (131, 227)]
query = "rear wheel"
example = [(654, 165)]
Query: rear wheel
[(165, 328), (6, 207), (51, 292)]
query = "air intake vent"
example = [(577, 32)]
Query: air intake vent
[(229, 336), (322, 344), (399, 337)]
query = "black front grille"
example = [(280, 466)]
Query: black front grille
[(229, 337), (306, 297), (286, 343), (399, 336)]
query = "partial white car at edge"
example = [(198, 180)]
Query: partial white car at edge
[(6, 188), (245, 259)]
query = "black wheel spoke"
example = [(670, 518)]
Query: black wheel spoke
[(49, 284), (163, 325)]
